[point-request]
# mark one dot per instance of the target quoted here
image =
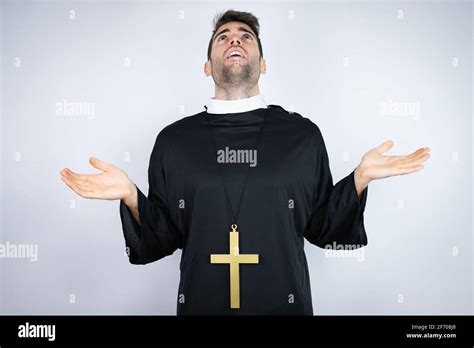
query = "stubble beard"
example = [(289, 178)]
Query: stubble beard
[(229, 76)]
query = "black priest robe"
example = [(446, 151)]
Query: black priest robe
[(289, 196)]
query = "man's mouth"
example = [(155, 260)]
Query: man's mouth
[(235, 53), (235, 57)]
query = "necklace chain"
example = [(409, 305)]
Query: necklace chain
[(229, 203)]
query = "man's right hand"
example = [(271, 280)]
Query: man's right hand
[(112, 183)]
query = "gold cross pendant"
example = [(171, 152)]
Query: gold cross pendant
[(234, 259)]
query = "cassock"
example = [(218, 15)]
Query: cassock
[(286, 193)]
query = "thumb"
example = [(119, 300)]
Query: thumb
[(96, 163), (384, 147)]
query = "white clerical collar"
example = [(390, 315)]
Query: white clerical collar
[(219, 106)]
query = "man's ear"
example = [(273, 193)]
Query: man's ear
[(207, 68), (263, 66)]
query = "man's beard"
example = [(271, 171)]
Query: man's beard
[(242, 77), (245, 76)]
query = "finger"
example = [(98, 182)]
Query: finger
[(68, 175), (384, 147), (408, 170), (96, 163), (420, 152), (78, 176), (395, 159), (408, 160), (423, 158), (76, 189), (74, 179), (414, 161), (70, 185), (75, 185), (83, 179), (417, 153)]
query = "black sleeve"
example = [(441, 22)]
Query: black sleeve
[(157, 236), (338, 212)]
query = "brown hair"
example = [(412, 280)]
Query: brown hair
[(235, 16)]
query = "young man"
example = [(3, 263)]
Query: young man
[(238, 188)]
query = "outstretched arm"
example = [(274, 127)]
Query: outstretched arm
[(374, 165), (149, 231), (112, 183), (337, 212)]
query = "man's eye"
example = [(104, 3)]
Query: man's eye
[(248, 36), (220, 37)]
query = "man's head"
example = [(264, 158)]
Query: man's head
[(234, 55)]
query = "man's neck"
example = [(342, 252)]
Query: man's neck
[(235, 93)]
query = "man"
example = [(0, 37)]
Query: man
[(238, 188)]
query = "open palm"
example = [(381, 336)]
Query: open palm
[(378, 166), (112, 183)]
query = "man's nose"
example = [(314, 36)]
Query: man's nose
[(235, 40)]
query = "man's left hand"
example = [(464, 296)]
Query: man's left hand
[(374, 165)]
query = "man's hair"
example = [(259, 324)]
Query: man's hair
[(235, 16)]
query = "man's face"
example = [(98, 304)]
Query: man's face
[(235, 56)]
